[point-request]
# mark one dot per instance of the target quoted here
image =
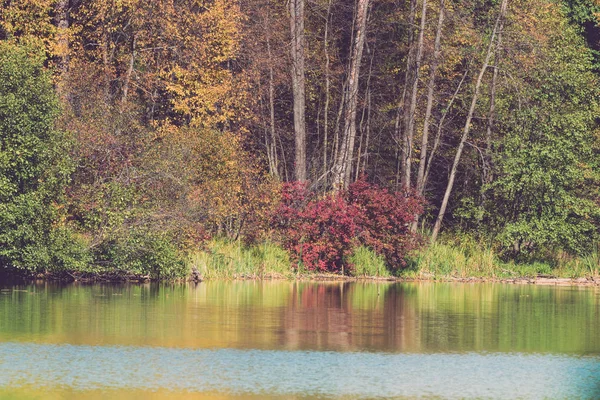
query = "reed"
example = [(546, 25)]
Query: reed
[(468, 258), (366, 263), (228, 259)]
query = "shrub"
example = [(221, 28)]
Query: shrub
[(34, 166), (385, 220), (142, 252), (320, 233)]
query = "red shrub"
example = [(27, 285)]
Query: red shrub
[(385, 220), (321, 232), (317, 232)]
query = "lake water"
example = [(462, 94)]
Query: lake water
[(299, 340)]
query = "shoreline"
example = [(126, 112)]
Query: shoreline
[(545, 281), (589, 281)]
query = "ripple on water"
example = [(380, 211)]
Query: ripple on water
[(320, 373)]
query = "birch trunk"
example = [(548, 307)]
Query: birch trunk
[(128, 74), (430, 95), (420, 184), (401, 138), (438, 135), (327, 91), (298, 86), (488, 164), (343, 165), (410, 115), (365, 112), (273, 147)]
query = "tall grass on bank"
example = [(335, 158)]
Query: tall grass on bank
[(227, 259), (471, 259), (367, 263), (444, 260)]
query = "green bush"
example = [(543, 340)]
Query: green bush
[(68, 251), (142, 252), (34, 165)]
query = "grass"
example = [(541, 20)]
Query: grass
[(227, 259), (441, 260), (366, 263), (470, 259)]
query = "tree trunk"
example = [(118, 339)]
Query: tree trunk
[(61, 20), (366, 152), (327, 92), (420, 184), (336, 132), (438, 135), (273, 150), (488, 160), (343, 165), (430, 93), (128, 74), (298, 86), (410, 115), (467, 128), (401, 138), (365, 112)]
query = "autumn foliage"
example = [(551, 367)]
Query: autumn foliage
[(320, 232)]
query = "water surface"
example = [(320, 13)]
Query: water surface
[(297, 340)]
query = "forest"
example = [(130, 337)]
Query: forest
[(244, 137)]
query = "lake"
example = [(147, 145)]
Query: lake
[(294, 340)]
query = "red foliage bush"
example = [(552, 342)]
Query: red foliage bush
[(385, 220), (321, 232)]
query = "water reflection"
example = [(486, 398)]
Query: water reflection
[(341, 316)]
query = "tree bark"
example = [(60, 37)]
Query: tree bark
[(438, 135), (430, 95), (488, 160), (273, 148), (298, 86), (420, 184), (61, 20), (365, 112), (401, 138), (343, 165), (410, 115), (467, 128), (327, 92), (128, 74)]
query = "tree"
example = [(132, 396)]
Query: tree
[(342, 168), (545, 192), (467, 127), (34, 166), (298, 86)]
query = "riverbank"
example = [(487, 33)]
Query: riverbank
[(541, 280), (446, 262), (305, 277)]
